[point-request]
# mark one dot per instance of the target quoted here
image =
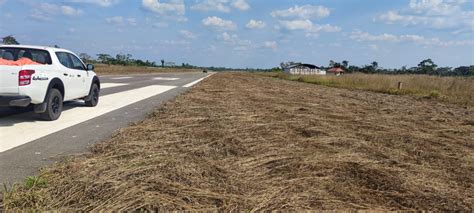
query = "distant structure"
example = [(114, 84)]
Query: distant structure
[(304, 69), (336, 71), (170, 64)]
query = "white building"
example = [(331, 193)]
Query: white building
[(304, 69)]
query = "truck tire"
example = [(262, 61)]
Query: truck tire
[(54, 105), (93, 99)]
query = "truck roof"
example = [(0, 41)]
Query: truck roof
[(35, 47)]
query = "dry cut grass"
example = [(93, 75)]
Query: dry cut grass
[(242, 142), (103, 69), (451, 89)]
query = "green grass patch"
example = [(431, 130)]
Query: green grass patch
[(35, 181)]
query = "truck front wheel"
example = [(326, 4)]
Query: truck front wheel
[(93, 99), (54, 106)]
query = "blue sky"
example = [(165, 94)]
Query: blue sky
[(251, 33)]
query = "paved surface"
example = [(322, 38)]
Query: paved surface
[(27, 144)]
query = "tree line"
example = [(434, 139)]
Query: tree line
[(119, 59), (425, 67)]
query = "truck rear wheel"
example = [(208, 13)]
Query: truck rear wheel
[(93, 99), (54, 106)]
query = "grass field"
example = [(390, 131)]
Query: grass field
[(451, 89), (243, 142), (103, 69)]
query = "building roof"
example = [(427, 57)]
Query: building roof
[(336, 69), (303, 65)]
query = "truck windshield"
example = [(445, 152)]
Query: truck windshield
[(16, 54)]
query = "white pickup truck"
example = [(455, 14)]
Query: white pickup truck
[(45, 77)]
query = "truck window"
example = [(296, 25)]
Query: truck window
[(64, 59), (76, 62), (36, 55)]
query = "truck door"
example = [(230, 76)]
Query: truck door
[(80, 71), (69, 76)]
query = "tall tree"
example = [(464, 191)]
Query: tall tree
[(345, 64), (332, 63), (375, 65), (9, 40), (85, 57), (162, 63), (444, 71), (352, 69), (121, 59), (427, 67), (104, 58)]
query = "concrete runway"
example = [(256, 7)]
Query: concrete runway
[(27, 144)]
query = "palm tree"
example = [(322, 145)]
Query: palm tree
[(162, 63)]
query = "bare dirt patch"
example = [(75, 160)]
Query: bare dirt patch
[(245, 142)]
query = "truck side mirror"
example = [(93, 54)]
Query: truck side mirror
[(90, 67)]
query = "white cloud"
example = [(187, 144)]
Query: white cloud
[(70, 11), (308, 26), (45, 11), (303, 12), (437, 14), (299, 18), (255, 24), (218, 23), (241, 5), (327, 28), (270, 45), (364, 36), (212, 48), (188, 34), (121, 21), (234, 40), (435, 7), (297, 24), (374, 47), (160, 25), (103, 3), (35, 14), (175, 42), (223, 6), (174, 9), (417, 39), (212, 5)]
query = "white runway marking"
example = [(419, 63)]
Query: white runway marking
[(17, 130), (110, 85), (197, 81), (120, 78), (166, 79)]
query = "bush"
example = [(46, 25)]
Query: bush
[(435, 94)]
